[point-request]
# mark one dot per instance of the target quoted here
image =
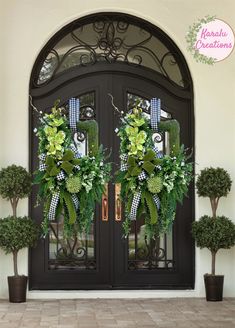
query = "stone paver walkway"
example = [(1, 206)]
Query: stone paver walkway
[(145, 313)]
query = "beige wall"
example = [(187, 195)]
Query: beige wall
[(25, 27)]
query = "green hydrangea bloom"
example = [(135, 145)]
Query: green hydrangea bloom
[(155, 184), (74, 184)]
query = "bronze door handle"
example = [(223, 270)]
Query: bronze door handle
[(105, 205), (118, 204)]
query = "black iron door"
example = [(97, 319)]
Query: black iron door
[(167, 262), (104, 259)]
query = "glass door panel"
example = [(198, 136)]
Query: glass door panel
[(73, 252)]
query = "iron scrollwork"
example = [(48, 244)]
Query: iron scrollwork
[(69, 253), (151, 256), (111, 42)]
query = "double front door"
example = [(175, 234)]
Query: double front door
[(104, 259)]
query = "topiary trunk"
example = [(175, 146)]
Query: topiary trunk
[(15, 262), (214, 204), (213, 262), (14, 203)]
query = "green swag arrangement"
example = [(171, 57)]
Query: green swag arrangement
[(69, 184), (151, 183)]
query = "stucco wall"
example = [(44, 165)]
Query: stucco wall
[(25, 27)]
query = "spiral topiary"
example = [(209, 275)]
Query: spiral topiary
[(155, 184), (74, 184)]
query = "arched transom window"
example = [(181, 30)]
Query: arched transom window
[(110, 38)]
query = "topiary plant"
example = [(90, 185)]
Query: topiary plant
[(214, 233), (15, 184), (15, 234), (213, 183), (217, 231)]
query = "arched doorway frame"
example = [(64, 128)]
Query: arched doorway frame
[(85, 70)]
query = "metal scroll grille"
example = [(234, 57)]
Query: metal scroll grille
[(110, 39)]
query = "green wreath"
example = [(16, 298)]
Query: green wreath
[(69, 184), (151, 184)]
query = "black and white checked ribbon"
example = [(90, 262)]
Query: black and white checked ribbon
[(54, 202), (75, 201), (142, 176), (158, 153), (74, 149), (124, 157), (157, 201), (155, 113), (123, 166), (42, 157), (42, 165), (155, 149), (60, 176), (73, 113), (134, 205)]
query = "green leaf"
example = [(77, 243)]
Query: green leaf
[(148, 167), (70, 207), (151, 207), (76, 161), (38, 177), (50, 161), (131, 161), (135, 171), (157, 161), (67, 167), (68, 156), (150, 156), (54, 171)]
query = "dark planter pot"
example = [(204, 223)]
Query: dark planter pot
[(17, 287), (214, 287)]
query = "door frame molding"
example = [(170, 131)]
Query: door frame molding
[(77, 73)]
